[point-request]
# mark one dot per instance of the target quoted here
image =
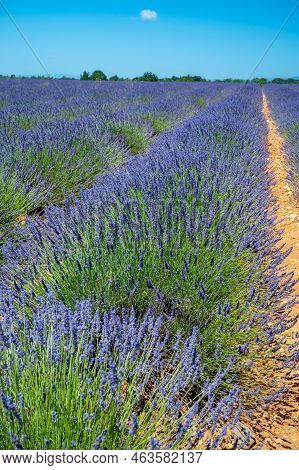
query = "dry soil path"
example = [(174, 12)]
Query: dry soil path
[(278, 427)]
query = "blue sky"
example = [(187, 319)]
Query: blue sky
[(215, 39)]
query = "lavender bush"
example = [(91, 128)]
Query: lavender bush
[(80, 379), (284, 106)]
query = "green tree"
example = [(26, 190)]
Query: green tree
[(191, 78), (260, 81), (114, 78), (149, 77), (284, 80), (98, 75), (85, 76)]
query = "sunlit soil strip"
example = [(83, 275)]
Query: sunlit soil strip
[(279, 424), (287, 206)]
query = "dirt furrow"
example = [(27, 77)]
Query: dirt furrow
[(277, 426)]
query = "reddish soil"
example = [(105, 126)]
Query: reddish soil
[(277, 426)]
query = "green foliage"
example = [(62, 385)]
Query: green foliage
[(111, 276), (151, 77), (184, 78), (70, 390), (279, 81), (158, 123), (191, 78), (66, 172), (85, 76), (25, 122), (201, 102), (260, 81), (231, 80), (147, 77), (14, 198), (98, 75), (293, 129), (145, 99), (135, 138)]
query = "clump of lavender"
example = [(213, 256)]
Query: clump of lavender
[(102, 381)]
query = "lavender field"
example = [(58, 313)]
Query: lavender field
[(141, 275)]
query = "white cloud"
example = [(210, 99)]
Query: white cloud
[(148, 15)]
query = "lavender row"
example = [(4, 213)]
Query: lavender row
[(284, 106), (86, 380), (57, 138)]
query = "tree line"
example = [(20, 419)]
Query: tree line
[(99, 75), (152, 77), (146, 77)]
